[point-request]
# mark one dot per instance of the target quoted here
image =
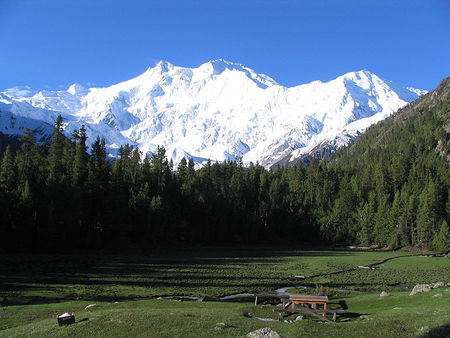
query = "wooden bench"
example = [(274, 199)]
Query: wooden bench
[(260, 297), (314, 313)]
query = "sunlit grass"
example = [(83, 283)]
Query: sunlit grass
[(35, 288)]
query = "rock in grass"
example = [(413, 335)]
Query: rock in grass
[(419, 288), (265, 332), (437, 295), (384, 294), (437, 285), (426, 287), (298, 318), (89, 306), (220, 326)]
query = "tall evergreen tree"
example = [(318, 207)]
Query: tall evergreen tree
[(441, 239), (7, 171), (80, 166), (55, 158)]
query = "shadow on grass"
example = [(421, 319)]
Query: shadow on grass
[(439, 332), (42, 277)]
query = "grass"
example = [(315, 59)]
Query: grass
[(38, 287), (399, 314)]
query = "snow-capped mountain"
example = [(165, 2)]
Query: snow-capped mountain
[(218, 111)]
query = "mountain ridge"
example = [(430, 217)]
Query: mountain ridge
[(220, 111)]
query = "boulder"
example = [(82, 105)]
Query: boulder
[(265, 332), (384, 294), (437, 285), (419, 288), (426, 287)]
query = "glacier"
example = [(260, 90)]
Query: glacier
[(218, 111)]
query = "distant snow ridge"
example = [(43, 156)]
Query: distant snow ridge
[(218, 111)]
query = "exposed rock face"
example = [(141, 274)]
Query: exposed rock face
[(266, 332), (426, 287)]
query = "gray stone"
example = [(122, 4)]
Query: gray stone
[(384, 294), (419, 288), (437, 285), (265, 332), (426, 287), (298, 318)]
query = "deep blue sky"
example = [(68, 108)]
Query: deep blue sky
[(49, 44)]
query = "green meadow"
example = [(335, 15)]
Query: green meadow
[(128, 291)]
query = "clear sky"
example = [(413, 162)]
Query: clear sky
[(49, 44)]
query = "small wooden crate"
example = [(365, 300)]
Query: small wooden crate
[(66, 319)]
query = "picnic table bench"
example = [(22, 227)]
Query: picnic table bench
[(314, 313), (259, 297)]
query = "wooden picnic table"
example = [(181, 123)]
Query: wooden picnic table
[(290, 299), (309, 300), (312, 303)]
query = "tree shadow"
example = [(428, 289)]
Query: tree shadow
[(43, 278), (438, 332)]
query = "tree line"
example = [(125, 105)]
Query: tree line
[(391, 188)]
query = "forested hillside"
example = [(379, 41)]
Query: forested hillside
[(399, 175), (390, 188)]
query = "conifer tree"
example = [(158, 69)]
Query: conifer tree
[(7, 171), (441, 239), (381, 226), (55, 158), (366, 219), (79, 169)]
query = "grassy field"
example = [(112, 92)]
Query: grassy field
[(35, 288)]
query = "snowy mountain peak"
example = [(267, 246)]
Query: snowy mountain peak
[(220, 110), (163, 66), (220, 65), (77, 90), (362, 77)]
